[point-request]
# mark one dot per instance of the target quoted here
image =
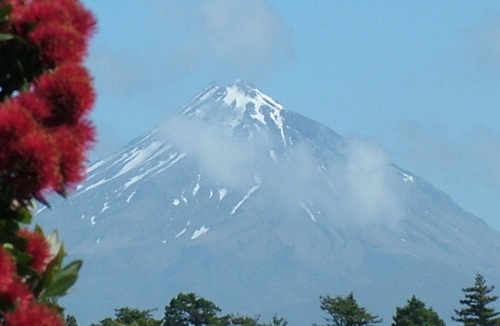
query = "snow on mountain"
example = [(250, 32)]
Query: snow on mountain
[(262, 210)]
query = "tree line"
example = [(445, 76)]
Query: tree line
[(188, 309)]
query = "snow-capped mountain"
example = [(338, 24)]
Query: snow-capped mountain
[(262, 210)]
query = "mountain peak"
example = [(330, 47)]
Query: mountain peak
[(240, 94), (235, 104), (238, 195)]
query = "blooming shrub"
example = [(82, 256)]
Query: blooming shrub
[(46, 95)]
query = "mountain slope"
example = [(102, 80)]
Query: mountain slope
[(262, 210)]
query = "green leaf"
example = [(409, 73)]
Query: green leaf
[(25, 215), (73, 267), (53, 268), (6, 37), (64, 279)]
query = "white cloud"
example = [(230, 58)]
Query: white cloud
[(242, 32), (240, 36), (115, 73), (369, 185), (364, 186), (465, 160), (484, 43), (227, 160)]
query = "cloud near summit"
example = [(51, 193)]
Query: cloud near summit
[(362, 187), (236, 35)]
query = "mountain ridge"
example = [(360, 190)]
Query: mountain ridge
[(237, 194)]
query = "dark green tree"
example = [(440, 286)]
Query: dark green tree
[(70, 320), (277, 321), (345, 311), (130, 317), (415, 313), (191, 310), (236, 320), (476, 311)]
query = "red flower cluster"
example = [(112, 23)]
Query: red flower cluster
[(46, 95), (6, 270), (61, 28), (33, 315), (38, 248), (44, 130), (15, 290)]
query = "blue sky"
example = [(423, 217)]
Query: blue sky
[(422, 78)]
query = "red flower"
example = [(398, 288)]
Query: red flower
[(36, 105), (38, 248), (64, 12), (6, 270), (72, 143), (34, 315), (69, 91), (28, 160), (60, 28), (82, 19), (58, 44), (18, 293), (15, 121)]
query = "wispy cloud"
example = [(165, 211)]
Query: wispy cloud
[(370, 184), (115, 73), (232, 35), (484, 43), (362, 189), (225, 159), (469, 158)]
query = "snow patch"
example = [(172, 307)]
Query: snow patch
[(105, 207), (92, 220), (184, 199), (170, 162), (278, 120), (181, 233), (249, 193), (198, 233), (257, 115), (222, 193), (311, 215), (236, 97), (130, 197), (95, 166), (407, 177), (134, 180), (176, 202), (98, 183), (137, 156), (196, 188)]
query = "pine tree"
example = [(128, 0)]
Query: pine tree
[(476, 311), (345, 311), (414, 313)]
